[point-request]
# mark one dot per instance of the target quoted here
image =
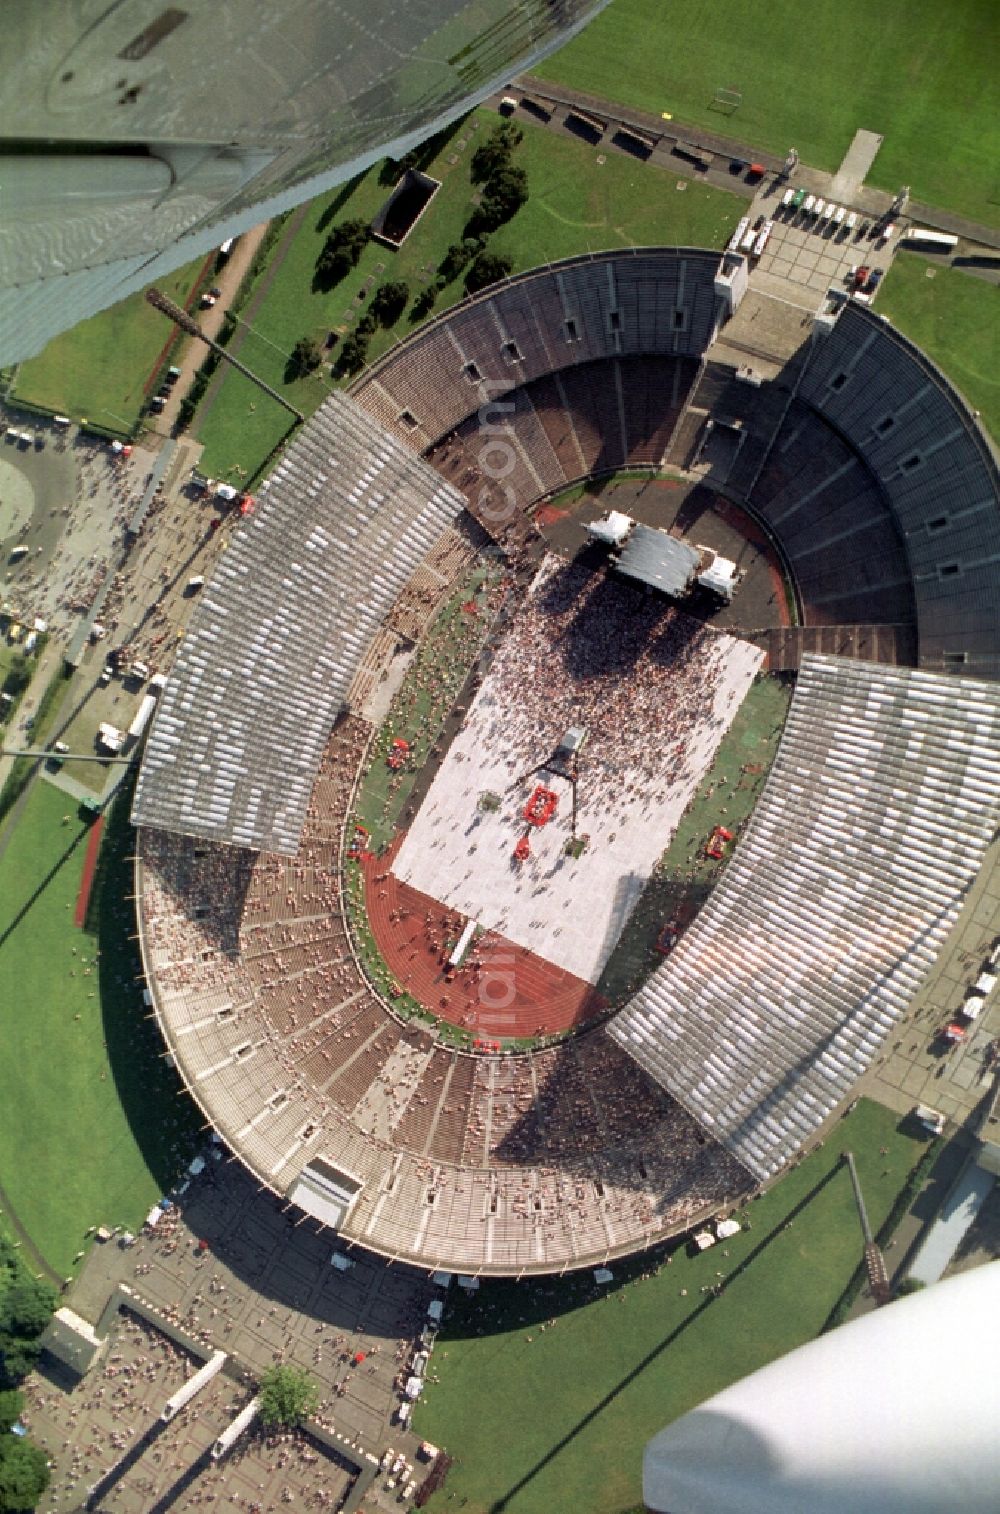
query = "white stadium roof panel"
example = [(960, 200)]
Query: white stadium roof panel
[(760, 1027), (281, 629)]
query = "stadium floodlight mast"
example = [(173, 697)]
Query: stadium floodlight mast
[(187, 323)]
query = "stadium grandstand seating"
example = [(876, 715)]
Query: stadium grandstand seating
[(834, 903), (898, 511), (657, 302), (837, 532), (937, 471), (873, 823), (530, 1162), (338, 530)]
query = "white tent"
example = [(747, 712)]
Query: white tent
[(721, 578), (611, 529)]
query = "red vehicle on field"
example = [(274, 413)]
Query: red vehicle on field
[(717, 842), (398, 754)]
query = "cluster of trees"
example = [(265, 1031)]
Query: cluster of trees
[(504, 185), (18, 675), (387, 305), (341, 251), (483, 267), (196, 393), (306, 356), (26, 1306), (24, 1472), (504, 191)]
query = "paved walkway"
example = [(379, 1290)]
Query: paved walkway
[(916, 1067), (921, 1214), (257, 298), (853, 171), (17, 737), (68, 785)]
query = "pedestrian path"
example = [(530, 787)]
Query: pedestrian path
[(853, 171), (210, 321)]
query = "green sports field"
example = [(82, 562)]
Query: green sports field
[(100, 367), (922, 74), (549, 1391), (955, 319), (92, 1129), (575, 205)]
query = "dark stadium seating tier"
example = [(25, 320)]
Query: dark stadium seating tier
[(880, 488), (938, 473)]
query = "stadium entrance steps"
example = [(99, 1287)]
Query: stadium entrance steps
[(785, 645)]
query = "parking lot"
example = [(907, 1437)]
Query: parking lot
[(809, 255)]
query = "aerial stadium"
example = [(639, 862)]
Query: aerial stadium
[(498, 1139)]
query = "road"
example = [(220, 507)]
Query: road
[(210, 321)]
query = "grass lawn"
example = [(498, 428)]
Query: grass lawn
[(442, 664), (89, 1112), (685, 876), (100, 367), (921, 73), (574, 206), (955, 319), (542, 1417)]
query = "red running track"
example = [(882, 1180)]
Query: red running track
[(502, 990), (89, 866)]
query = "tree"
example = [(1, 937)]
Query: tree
[(24, 1473), (27, 1308), (287, 1396), (11, 1405), (458, 256), (306, 357), (488, 268), (341, 250), (495, 152), (502, 198), (334, 264), (353, 352), (424, 303), (389, 301)]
